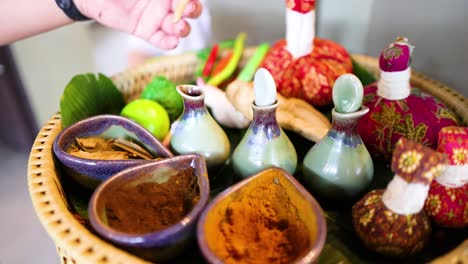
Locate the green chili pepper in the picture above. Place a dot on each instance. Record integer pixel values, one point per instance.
(227, 44)
(249, 70)
(232, 65)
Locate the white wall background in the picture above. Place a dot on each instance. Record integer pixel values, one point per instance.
(48, 61)
(346, 22)
(438, 29)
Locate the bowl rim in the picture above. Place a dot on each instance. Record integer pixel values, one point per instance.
(314, 250)
(61, 154)
(158, 238)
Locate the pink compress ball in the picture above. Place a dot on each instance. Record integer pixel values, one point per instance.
(447, 203)
(399, 110)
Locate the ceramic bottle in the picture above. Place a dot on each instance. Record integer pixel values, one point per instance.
(339, 166)
(265, 144)
(197, 132)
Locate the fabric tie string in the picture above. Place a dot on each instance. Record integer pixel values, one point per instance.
(300, 32)
(394, 85)
(404, 197)
(454, 176)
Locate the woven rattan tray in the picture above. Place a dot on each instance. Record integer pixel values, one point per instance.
(75, 243)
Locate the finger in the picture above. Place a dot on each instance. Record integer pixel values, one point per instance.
(172, 28)
(175, 4)
(178, 29)
(193, 11)
(150, 19)
(187, 30)
(191, 8)
(164, 41)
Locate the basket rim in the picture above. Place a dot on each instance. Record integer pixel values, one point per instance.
(81, 244)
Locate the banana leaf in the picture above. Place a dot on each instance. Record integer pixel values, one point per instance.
(87, 95)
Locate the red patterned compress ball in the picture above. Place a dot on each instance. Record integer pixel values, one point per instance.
(302, 6)
(302, 65)
(447, 203)
(399, 110)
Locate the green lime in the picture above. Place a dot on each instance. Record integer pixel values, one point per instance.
(148, 114)
(164, 92)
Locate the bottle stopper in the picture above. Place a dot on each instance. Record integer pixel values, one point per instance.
(348, 93)
(264, 87)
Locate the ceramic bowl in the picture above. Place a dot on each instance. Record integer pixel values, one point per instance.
(280, 197)
(89, 172)
(161, 245)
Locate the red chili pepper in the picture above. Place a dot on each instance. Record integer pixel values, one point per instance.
(210, 61)
(222, 63)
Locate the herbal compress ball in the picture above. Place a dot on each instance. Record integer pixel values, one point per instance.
(303, 66)
(399, 110)
(447, 203)
(392, 222)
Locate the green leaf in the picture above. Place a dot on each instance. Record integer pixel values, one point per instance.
(164, 92)
(363, 74)
(86, 96)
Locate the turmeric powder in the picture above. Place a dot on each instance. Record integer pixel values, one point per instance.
(261, 225)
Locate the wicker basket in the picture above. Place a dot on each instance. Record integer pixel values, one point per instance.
(75, 243)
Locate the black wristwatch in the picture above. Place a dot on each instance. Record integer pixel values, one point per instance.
(69, 8)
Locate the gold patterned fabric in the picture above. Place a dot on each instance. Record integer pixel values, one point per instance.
(417, 163)
(387, 232)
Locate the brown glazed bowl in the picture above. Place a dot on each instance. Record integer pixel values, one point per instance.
(91, 172)
(160, 245)
(301, 208)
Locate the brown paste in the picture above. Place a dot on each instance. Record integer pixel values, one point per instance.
(150, 206)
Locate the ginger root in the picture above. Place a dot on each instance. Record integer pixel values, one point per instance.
(293, 114)
(222, 109)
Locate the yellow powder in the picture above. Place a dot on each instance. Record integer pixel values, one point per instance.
(261, 226)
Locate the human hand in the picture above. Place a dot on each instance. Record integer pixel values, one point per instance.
(150, 20)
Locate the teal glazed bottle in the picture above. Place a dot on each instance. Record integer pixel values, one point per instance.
(339, 165)
(265, 144)
(197, 132)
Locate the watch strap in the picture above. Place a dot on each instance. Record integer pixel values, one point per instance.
(69, 8)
